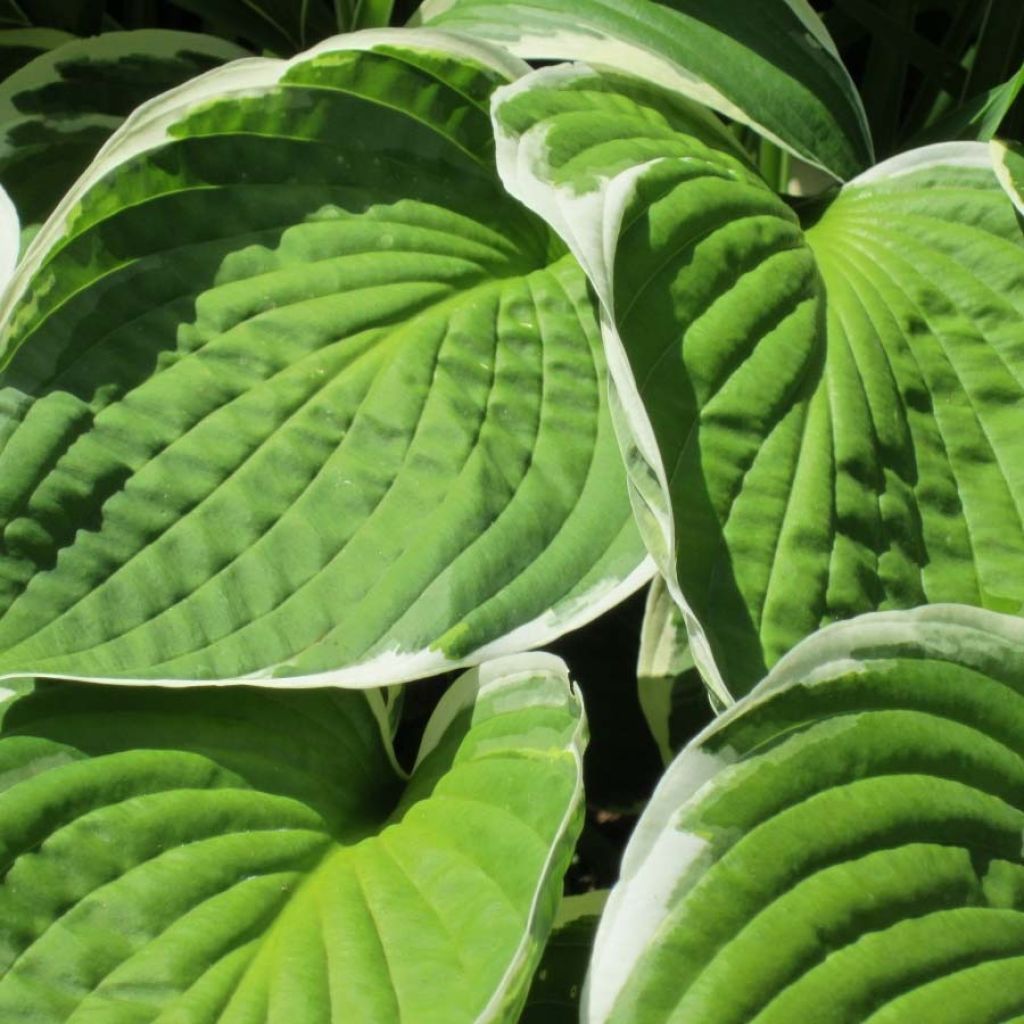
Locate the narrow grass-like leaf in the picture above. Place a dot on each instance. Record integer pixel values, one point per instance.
(293, 388)
(58, 110)
(278, 26)
(978, 119)
(842, 846)
(227, 857)
(819, 411)
(770, 65)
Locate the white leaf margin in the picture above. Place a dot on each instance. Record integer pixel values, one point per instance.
(489, 680)
(661, 859)
(44, 70)
(147, 129)
(632, 58)
(589, 223)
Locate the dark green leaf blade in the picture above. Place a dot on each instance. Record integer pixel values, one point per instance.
(294, 389)
(842, 846)
(58, 110)
(20, 45)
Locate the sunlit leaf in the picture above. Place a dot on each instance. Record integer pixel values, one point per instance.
(820, 409)
(843, 846)
(293, 388)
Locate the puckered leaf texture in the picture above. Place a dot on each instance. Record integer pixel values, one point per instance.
(842, 846)
(291, 387)
(247, 856)
(819, 409)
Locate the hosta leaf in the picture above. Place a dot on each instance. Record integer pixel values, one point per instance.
(668, 684)
(280, 26)
(19, 45)
(223, 857)
(294, 388)
(770, 64)
(10, 234)
(843, 846)
(58, 110)
(1008, 160)
(820, 413)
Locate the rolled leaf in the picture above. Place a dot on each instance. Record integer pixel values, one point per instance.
(819, 410)
(770, 65)
(215, 856)
(293, 388)
(58, 110)
(278, 26)
(842, 846)
(672, 698)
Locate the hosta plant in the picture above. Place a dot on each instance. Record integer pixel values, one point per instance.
(328, 368)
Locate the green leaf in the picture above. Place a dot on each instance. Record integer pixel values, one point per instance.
(770, 64)
(558, 984)
(19, 45)
(668, 684)
(58, 110)
(372, 14)
(1008, 161)
(12, 15)
(294, 389)
(979, 119)
(843, 846)
(250, 856)
(819, 412)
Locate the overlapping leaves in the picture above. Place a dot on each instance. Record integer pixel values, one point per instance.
(59, 108)
(232, 856)
(770, 64)
(820, 411)
(292, 387)
(842, 846)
